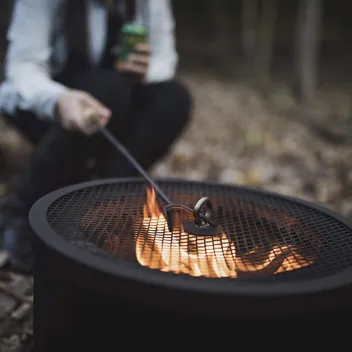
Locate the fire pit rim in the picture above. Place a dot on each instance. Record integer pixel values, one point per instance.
(137, 273)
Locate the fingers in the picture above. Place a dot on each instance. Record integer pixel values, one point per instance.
(94, 113)
(143, 48)
(94, 104)
(92, 120)
(137, 63)
(79, 111)
(141, 60)
(130, 66)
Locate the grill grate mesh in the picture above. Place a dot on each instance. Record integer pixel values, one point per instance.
(264, 234)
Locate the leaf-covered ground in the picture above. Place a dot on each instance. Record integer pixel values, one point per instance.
(242, 136)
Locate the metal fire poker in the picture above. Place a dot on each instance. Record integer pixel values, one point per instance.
(202, 223)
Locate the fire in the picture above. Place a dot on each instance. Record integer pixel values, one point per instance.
(180, 252)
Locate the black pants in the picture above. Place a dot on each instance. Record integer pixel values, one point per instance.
(146, 118)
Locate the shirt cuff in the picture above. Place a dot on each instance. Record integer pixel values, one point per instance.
(160, 71)
(47, 107)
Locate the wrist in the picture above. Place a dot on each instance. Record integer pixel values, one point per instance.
(60, 97)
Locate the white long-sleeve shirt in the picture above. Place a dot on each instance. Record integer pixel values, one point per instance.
(37, 50)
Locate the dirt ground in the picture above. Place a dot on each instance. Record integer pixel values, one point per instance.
(241, 136)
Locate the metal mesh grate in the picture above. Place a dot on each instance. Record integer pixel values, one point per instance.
(265, 236)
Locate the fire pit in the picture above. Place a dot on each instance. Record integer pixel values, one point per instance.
(106, 261)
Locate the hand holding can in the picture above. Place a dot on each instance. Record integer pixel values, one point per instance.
(131, 36)
(134, 52)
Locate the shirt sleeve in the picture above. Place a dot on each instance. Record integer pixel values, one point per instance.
(164, 58)
(27, 73)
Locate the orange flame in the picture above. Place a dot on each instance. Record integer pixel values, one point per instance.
(179, 252)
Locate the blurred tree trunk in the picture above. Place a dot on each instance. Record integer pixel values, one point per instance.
(266, 36)
(307, 48)
(5, 11)
(220, 24)
(249, 30)
(5, 15)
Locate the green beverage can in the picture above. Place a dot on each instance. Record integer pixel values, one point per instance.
(131, 35)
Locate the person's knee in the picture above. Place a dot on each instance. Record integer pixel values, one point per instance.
(182, 102)
(177, 103)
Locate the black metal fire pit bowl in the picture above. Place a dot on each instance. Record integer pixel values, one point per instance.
(107, 267)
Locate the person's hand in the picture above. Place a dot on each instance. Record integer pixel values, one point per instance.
(73, 108)
(137, 63)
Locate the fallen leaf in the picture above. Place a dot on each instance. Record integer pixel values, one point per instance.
(4, 258)
(3, 189)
